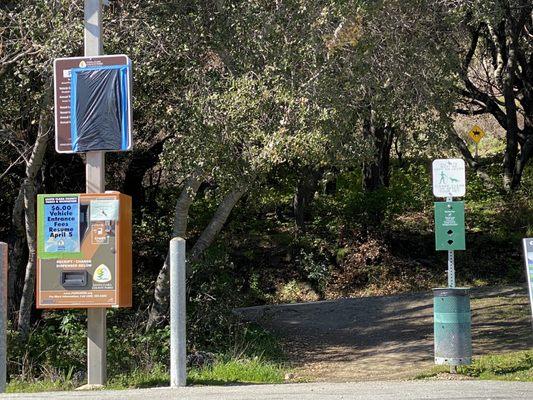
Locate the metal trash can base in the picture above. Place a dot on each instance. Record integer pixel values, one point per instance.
(453, 361)
(452, 326)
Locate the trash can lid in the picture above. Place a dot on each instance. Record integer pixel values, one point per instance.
(450, 292)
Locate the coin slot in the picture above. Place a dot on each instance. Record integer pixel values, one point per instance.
(73, 278)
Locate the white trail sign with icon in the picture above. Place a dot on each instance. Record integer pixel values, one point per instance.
(449, 177)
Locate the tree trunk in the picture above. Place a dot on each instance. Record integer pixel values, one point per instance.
(179, 229)
(512, 74)
(217, 222)
(463, 148)
(470, 160)
(526, 152)
(511, 134)
(18, 253)
(506, 66)
(26, 300)
(140, 163)
(526, 144)
(376, 171)
(305, 191)
(29, 192)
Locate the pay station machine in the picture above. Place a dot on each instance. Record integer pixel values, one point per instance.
(84, 250)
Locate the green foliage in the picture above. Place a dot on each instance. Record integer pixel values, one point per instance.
(252, 370)
(409, 191)
(410, 188)
(158, 375)
(500, 365)
(225, 370)
(507, 216)
(316, 269)
(52, 348)
(42, 385)
(58, 347)
(517, 366)
(54, 358)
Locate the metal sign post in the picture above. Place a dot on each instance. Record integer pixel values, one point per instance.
(3, 315)
(449, 181)
(450, 231)
(95, 183)
(86, 91)
(451, 260)
(452, 317)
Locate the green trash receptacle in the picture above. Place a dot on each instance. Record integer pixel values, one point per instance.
(452, 326)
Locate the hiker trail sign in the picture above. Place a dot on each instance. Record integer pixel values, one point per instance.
(449, 177)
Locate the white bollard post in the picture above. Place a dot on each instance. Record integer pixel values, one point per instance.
(178, 364)
(3, 315)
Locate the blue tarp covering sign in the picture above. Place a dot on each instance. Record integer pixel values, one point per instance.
(61, 224)
(99, 104)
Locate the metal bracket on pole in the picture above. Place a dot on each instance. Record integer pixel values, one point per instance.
(178, 364)
(95, 183)
(3, 315)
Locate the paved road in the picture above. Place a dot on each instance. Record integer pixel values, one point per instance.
(390, 390)
(387, 337)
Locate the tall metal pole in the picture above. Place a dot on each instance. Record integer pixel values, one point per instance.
(451, 275)
(178, 364)
(3, 315)
(451, 261)
(95, 183)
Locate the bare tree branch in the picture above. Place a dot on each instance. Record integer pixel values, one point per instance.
(19, 160)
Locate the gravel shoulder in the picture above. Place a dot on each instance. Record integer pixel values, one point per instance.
(387, 337)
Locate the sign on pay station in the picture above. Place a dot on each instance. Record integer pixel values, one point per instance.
(84, 250)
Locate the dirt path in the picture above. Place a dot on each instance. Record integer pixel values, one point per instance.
(387, 337)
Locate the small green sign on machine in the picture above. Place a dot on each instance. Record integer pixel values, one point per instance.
(450, 225)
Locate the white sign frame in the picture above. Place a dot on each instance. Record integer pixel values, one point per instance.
(449, 177)
(528, 245)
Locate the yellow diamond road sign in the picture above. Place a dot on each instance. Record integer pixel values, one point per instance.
(476, 133)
